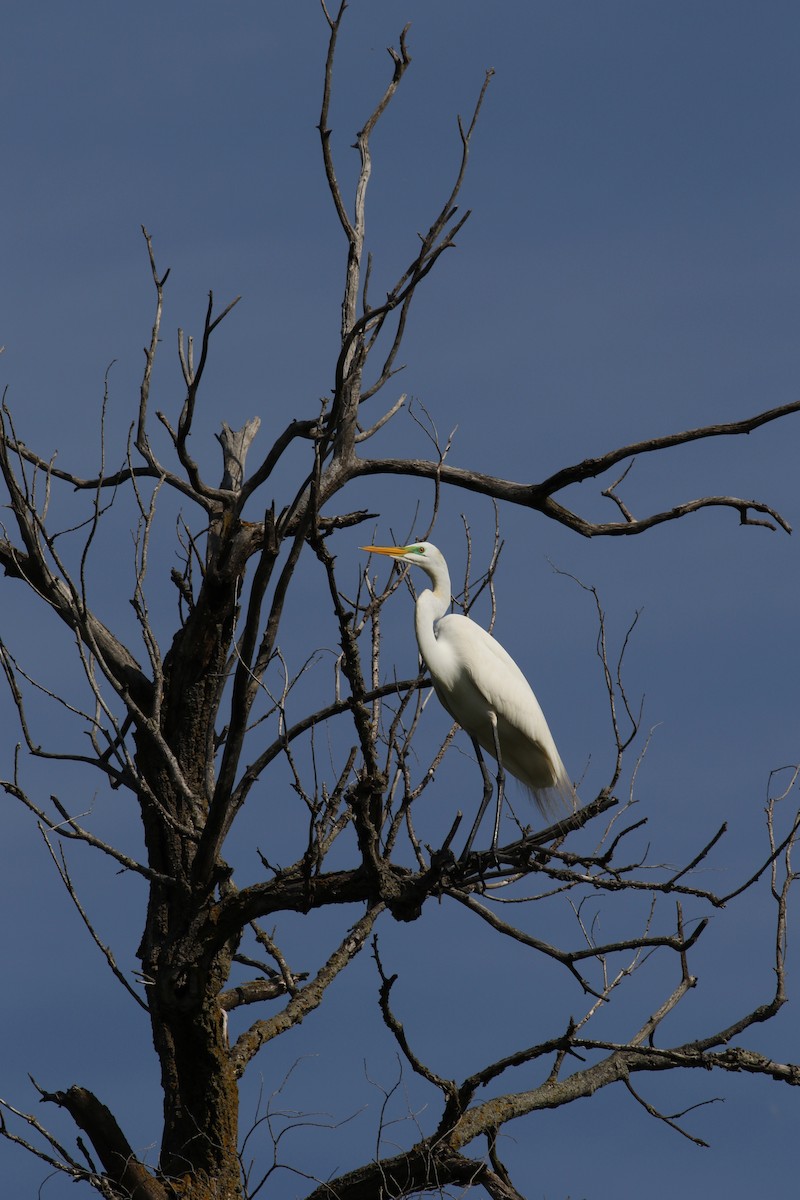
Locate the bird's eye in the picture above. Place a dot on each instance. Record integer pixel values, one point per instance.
(419, 550)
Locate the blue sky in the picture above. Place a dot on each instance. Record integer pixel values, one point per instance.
(630, 269)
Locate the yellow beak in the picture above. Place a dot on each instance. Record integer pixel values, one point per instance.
(392, 551)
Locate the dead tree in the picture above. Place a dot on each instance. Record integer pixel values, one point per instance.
(194, 726)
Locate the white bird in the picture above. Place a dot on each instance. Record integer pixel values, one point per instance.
(484, 691)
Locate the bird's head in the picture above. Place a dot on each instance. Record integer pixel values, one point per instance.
(415, 553)
(419, 554)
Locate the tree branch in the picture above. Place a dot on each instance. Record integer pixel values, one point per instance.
(305, 999)
(116, 1155)
(539, 496)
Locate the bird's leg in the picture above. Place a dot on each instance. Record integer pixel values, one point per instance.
(501, 781)
(487, 795)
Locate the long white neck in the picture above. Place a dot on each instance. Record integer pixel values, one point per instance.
(431, 605)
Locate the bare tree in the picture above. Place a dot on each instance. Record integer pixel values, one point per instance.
(193, 725)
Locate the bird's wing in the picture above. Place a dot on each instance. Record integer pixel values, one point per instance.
(485, 677)
(491, 669)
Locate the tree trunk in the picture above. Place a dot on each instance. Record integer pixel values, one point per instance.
(199, 1145)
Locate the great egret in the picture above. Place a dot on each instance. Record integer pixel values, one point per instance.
(483, 690)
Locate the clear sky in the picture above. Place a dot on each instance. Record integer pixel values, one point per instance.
(630, 269)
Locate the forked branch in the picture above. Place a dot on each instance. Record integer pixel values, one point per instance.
(539, 496)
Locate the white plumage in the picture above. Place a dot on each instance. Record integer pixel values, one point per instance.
(483, 689)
